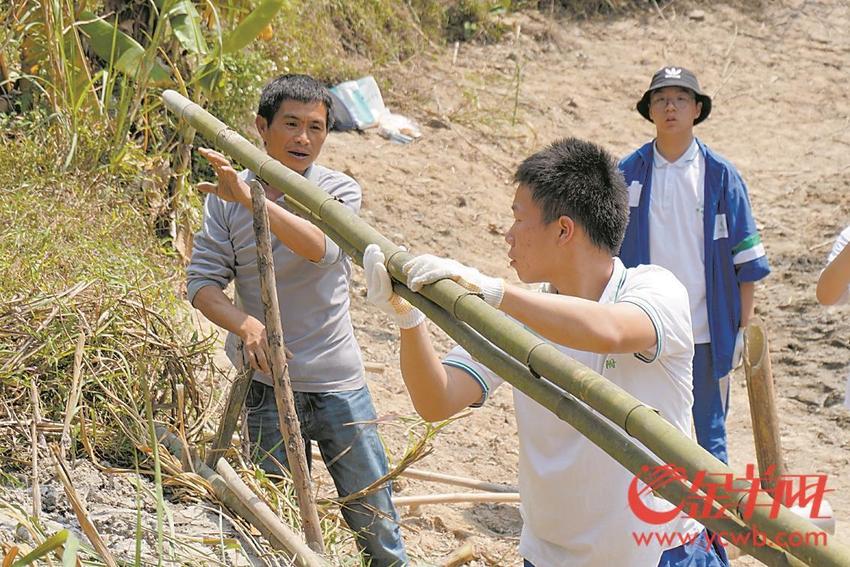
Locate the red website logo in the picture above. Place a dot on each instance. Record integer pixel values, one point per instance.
(707, 498)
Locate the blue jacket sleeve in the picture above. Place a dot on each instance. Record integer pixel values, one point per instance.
(748, 254)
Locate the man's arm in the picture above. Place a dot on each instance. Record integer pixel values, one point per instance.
(569, 321)
(299, 235)
(437, 391)
(833, 281)
(580, 323)
(217, 307)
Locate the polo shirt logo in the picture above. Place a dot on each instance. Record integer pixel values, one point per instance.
(610, 363)
(672, 73)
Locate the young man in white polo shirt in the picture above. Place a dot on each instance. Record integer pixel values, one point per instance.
(630, 325)
(689, 212)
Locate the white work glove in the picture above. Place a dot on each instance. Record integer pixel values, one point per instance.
(427, 269)
(379, 291)
(738, 353)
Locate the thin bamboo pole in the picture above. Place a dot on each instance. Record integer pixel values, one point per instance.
(80, 511)
(284, 399)
(457, 497)
(36, 418)
(457, 481)
(452, 480)
(538, 356)
(602, 433)
(73, 395)
(235, 494)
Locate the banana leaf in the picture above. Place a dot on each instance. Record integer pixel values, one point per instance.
(251, 27)
(128, 53)
(186, 23)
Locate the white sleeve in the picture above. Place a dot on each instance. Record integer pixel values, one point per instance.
(486, 378)
(665, 301)
(839, 245)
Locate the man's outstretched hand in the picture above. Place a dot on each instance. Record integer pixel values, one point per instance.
(380, 291)
(427, 269)
(229, 187)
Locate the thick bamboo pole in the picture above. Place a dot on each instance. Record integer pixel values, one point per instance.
(562, 404)
(236, 495)
(763, 406)
(296, 454)
(540, 357)
(230, 416)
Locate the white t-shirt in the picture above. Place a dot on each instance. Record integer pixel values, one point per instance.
(574, 495)
(839, 245)
(676, 234)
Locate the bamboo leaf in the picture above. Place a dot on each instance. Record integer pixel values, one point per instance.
(128, 53)
(186, 23)
(252, 26)
(50, 544)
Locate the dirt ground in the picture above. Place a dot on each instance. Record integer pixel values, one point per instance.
(781, 113)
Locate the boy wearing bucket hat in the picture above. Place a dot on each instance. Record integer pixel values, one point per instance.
(689, 212)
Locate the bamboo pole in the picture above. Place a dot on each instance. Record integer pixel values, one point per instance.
(461, 556)
(457, 480)
(296, 454)
(763, 406)
(538, 356)
(73, 395)
(230, 416)
(566, 407)
(456, 497)
(80, 511)
(36, 418)
(235, 494)
(420, 474)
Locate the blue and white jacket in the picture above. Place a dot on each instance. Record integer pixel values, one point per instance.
(733, 249)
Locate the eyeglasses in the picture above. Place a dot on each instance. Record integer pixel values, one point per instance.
(680, 101)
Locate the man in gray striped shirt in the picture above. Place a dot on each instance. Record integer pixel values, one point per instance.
(312, 276)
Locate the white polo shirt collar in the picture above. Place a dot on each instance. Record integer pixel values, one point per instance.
(684, 160)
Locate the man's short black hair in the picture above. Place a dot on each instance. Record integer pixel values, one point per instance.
(580, 180)
(302, 88)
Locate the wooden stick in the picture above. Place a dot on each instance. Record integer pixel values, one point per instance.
(454, 498)
(466, 482)
(763, 405)
(230, 416)
(289, 427)
(80, 510)
(458, 481)
(36, 417)
(71, 405)
(238, 497)
(180, 394)
(461, 556)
